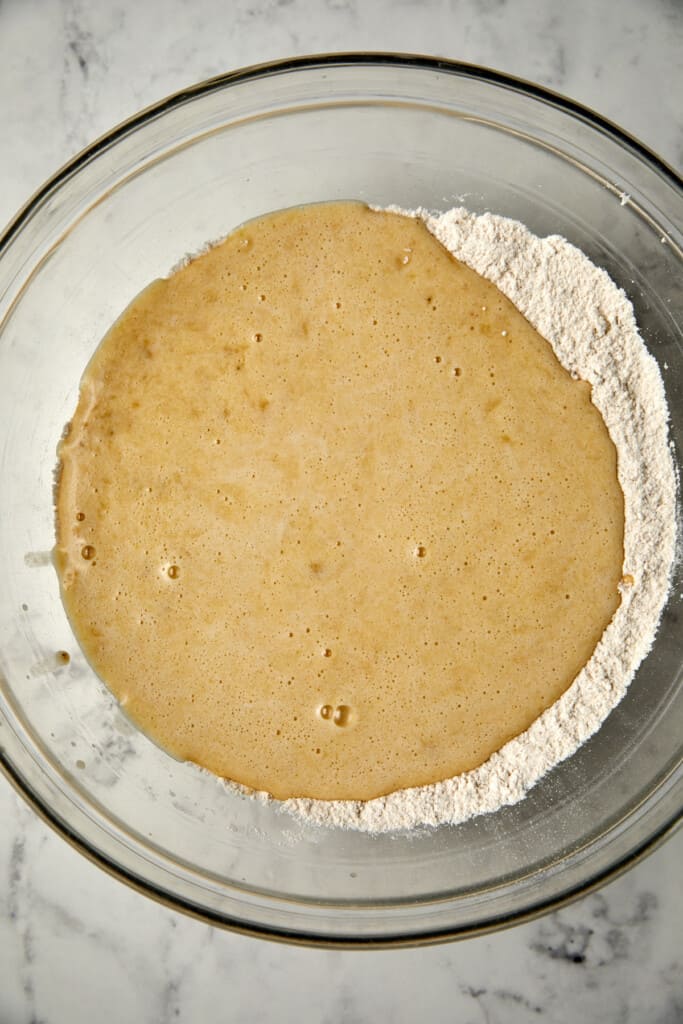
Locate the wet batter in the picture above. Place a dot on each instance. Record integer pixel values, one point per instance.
(332, 519)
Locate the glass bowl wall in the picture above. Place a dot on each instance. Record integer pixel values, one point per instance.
(388, 130)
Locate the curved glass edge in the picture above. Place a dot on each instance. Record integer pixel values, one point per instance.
(343, 59)
(88, 154)
(322, 939)
(664, 803)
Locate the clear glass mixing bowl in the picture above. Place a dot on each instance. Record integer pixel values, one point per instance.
(387, 129)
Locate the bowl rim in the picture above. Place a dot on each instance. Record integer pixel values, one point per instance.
(381, 58)
(318, 940)
(406, 61)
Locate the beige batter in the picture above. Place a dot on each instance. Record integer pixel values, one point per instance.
(332, 519)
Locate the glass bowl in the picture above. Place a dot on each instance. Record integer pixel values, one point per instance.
(386, 129)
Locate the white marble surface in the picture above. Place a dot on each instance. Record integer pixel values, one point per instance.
(76, 945)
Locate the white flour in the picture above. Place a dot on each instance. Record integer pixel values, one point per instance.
(591, 326)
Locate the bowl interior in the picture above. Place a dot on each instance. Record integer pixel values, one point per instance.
(388, 131)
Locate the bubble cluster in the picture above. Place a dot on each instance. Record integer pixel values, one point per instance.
(339, 715)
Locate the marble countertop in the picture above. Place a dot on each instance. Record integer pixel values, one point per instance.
(78, 945)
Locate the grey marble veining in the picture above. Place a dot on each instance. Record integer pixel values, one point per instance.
(79, 946)
(76, 67)
(75, 944)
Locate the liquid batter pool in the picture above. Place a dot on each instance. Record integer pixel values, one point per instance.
(332, 519)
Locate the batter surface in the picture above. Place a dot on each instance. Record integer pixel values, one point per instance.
(332, 520)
